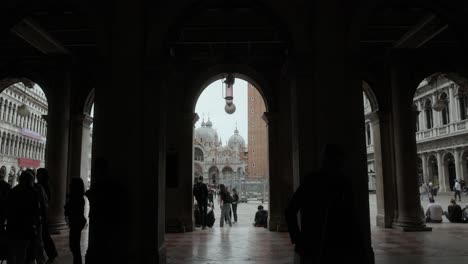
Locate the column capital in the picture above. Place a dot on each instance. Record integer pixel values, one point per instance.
(270, 117)
(84, 119)
(378, 116)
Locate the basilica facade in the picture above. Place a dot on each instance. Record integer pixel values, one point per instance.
(213, 160)
(441, 133)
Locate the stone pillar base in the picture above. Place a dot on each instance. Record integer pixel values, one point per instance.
(162, 254)
(381, 221)
(175, 228)
(411, 228)
(277, 226)
(57, 227)
(178, 226)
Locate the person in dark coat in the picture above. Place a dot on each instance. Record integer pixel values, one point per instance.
(330, 231)
(24, 219)
(74, 213)
(49, 245)
(5, 187)
(454, 213)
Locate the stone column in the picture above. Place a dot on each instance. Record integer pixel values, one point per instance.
(56, 161)
(410, 215)
(420, 116)
(381, 127)
(80, 148)
(435, 115)
(180, 200)
(440, 172)
(457, 157)
(425, 168)
(452, 105)
(280, 182)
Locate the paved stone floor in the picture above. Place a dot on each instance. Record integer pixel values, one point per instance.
(242, 243)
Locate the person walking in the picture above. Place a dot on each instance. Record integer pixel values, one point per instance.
(200, 191)
(24, 219)
(457, 189)
(322, 237)
(74, 214)
(225, 204)
(235, 201)
(49, 245)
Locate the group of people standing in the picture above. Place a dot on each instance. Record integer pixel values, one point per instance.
(24, 225)
(205, 203)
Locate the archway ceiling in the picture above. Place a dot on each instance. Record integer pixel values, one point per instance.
(234, 34)
(413, 28)
(219, 34)
(47, 33)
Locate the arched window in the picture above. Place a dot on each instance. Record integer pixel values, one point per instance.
(428, 113)
(463, 103)
(198, 154)
(446, 111)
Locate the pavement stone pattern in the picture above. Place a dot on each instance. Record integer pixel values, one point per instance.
(243, 243)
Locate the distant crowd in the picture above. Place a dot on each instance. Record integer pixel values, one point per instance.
(204, 206)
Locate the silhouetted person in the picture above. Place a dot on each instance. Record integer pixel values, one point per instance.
(36, 248)
(74, 212)
(235, 200)
(5, 187)
(434, 212)
(23, 217)
(49, 245)
(261, 217)
(454, 212)
(200, 191)
(330, 231)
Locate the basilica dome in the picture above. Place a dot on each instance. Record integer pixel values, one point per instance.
(206, 133)
(236, 140)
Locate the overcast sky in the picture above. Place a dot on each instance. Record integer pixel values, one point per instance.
(211, 104)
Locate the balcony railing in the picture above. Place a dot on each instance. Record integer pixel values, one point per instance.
(443, 131)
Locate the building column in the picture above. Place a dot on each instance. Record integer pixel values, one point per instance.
(80, 140)
(425, 168)
(383, 152)
(435, 115)
(420, 116)
(58, 119)
(440, 172)
(457, 164)
(179, 169)
(452, 105)
(281, 183)
(409, 215)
